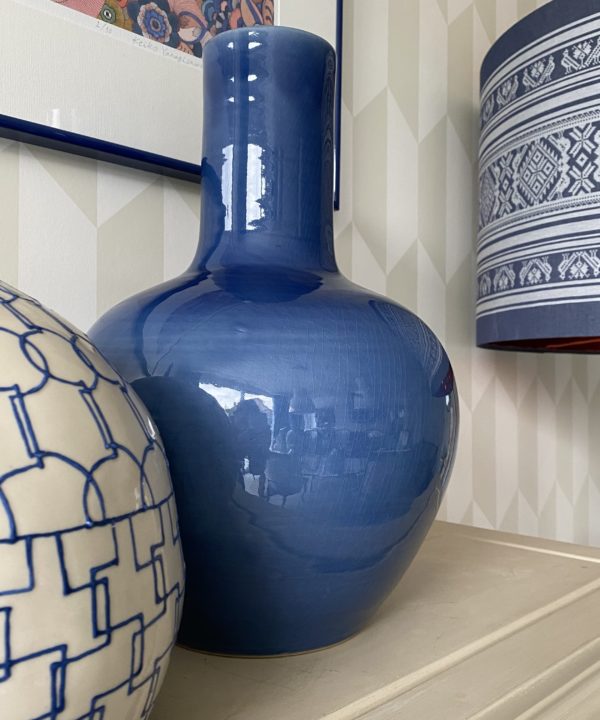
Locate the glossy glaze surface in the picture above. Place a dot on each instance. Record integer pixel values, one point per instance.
(310, 425)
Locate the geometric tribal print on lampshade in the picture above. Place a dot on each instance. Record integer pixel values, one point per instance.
(538, 246)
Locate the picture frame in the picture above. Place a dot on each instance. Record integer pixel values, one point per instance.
(79, 85)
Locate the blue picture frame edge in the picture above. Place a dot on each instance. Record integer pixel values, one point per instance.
(32, 133)
(339, 40)
(13, 128)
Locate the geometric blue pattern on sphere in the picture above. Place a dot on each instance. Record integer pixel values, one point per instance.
(538, 263)
(91, 570)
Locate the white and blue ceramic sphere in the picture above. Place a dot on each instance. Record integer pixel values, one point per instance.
(91, 572)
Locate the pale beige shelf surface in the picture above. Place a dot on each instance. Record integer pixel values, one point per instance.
(484, 626)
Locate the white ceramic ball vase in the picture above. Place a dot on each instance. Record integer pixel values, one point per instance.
(91, 570)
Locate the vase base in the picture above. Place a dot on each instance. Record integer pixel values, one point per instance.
(242, 656)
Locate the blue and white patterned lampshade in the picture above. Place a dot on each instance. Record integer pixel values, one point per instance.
(538, 250)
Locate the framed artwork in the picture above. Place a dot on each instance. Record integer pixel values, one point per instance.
(186, 25)
(121, 80)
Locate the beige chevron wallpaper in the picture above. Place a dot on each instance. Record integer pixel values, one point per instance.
(81, 235)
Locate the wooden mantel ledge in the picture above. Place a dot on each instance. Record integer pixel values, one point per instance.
(484, 626)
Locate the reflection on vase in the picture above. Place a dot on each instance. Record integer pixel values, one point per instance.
(310, 425)
(296, 524)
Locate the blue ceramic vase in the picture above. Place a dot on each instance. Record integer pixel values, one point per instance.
(310, 425)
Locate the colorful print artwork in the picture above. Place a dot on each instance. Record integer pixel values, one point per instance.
(186, 25)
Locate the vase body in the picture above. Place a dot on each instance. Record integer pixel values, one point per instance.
(310, 425)
(91, 570)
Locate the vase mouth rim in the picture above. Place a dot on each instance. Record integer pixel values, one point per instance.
(263, 31)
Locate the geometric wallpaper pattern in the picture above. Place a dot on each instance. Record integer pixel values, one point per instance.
(81, 235)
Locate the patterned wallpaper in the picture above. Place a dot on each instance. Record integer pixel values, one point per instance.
(81, 235)
(526, 454)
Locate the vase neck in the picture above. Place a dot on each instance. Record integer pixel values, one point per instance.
(267, 168)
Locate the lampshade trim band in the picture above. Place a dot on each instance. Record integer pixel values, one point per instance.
(534, 250)
(551, 19)
(546, 69)
(494, 140)
(551, 295)
(580, 318)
